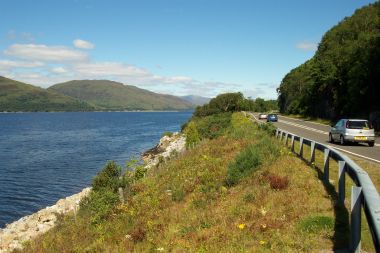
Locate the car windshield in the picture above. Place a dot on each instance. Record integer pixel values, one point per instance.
(358, 124)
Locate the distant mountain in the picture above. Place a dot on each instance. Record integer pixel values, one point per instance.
(18, 96)
(109, 95)
(196, 100)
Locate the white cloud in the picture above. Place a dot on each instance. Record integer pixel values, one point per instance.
(44, 53)
(267, 91)
(307, 46)
(180, 79)
(58, 70)
(98, 69)
(78, 43)
(48, 65)
(9, 64)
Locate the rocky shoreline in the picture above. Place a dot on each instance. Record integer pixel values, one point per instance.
(29, 227)
(168, 146)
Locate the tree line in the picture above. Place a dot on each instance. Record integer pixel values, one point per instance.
(233, 102)
(342, 79)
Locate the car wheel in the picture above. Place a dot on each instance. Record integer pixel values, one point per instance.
(371, 144)
(331, 140)
(342, 141)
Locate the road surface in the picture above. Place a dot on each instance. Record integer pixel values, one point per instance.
(320, 133)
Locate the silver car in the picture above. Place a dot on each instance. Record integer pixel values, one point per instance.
(263, 116)
(352, 130)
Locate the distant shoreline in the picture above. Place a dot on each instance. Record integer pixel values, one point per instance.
(97, 111)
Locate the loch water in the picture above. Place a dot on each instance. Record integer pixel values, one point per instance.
(47, 156)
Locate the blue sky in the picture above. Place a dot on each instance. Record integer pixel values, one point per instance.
(201, 47)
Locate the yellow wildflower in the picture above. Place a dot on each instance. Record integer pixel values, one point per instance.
(262, 242)
(263, 211)
(241, 226)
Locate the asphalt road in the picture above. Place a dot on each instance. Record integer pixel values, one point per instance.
(320, 133)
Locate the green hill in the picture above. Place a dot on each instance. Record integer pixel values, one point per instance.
(342, 78)
(18, 96)
(109, 95)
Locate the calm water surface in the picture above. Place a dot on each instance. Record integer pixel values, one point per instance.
(47, 156)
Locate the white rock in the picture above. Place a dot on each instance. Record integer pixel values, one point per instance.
(29, 227)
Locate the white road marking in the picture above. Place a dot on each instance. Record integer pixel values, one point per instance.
(304, 127)
(323, 132)
(352, 153)
(304, 121)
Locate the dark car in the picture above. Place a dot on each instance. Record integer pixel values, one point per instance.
(272, 117)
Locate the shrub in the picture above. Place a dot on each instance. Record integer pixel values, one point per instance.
(227, 102)
(245, 163)
(213, 126)
(251, 158)
(277, 182)
(140, 172)
(178, 194)
(269, 128)
(99, 205)
(249, 197)
(107, 178)
(192, 135)
(269, 148)
(138, 234)
(169, 134)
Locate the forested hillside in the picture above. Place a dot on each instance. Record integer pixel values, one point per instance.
(17, 96)
(342, 78)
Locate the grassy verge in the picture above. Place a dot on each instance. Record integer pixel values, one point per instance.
(342, 211)
(208, 199)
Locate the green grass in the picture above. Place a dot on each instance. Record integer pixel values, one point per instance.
(183, 205)
(316, 224)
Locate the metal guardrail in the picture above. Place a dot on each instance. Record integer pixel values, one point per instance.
(363, 195)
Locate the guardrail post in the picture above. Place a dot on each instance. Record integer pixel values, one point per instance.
(326, 165)
(312, 152)
(286, 139)
(342, 181)
(301, 147)
(277, 132)
(292, 144)
(356, 199)
(281, 133)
